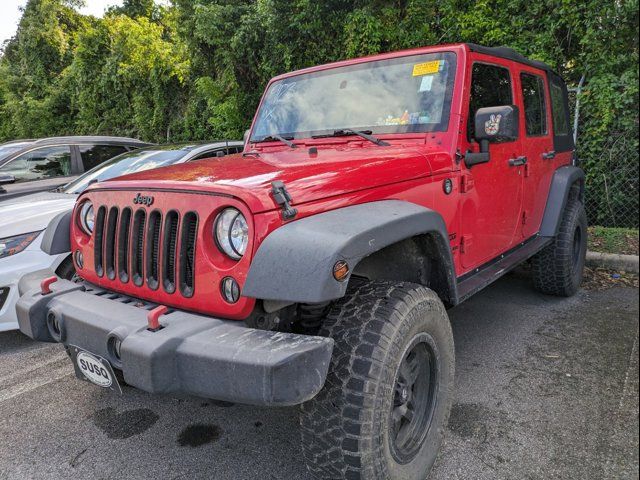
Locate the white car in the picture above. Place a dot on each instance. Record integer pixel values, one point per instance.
(23, 219)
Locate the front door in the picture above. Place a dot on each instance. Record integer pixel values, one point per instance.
(492, 193)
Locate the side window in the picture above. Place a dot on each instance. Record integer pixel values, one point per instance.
(210, 154)
(535, 109)
(559, 111)
(45, 162)
(94, 155)
(490, 87)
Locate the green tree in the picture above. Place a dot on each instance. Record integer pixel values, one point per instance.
(196, 69)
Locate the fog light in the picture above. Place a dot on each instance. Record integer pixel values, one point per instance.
(79, 259)
(113, 347)
(117, 343)
(230, 290)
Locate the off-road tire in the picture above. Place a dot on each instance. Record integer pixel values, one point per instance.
(346, 428)
(558, 269)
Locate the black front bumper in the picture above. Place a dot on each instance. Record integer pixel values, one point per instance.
(191, 354)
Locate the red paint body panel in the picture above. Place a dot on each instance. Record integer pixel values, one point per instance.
(483, 213)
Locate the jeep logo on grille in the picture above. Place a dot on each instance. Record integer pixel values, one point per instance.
(143, 200)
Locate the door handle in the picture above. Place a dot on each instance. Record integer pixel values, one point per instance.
(517, 162)
(549, 155)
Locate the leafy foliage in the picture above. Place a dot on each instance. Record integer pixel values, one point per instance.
(196, 69)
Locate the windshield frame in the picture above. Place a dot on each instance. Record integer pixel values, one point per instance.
(385, 59)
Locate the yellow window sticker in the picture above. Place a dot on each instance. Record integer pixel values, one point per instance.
(427, 68)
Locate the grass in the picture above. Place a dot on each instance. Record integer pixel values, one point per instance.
(613, 240)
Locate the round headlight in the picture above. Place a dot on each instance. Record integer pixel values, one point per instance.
(231, 232)
(87, 217)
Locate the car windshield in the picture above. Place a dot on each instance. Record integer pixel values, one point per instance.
(130, 162)
(8, 149)
(398, 95)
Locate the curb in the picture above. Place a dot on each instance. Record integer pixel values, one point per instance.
(627, 263)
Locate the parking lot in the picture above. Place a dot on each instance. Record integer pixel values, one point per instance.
(546, 388)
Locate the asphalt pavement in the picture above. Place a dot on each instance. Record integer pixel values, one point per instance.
(545, 388)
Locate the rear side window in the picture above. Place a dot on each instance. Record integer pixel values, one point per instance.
(562, 135)
(535, 109)
(490, 87)
(558, 108)
(45, 162)
(94, 155)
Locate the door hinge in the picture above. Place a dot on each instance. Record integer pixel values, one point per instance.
(282, 198)
(465, 243)
(525, 217)
(526, 170)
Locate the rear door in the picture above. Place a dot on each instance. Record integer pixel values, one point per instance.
(537, 146)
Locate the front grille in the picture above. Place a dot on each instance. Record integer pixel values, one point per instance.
(169, 245)
(153, 249)
(187, 253)
(110, 243)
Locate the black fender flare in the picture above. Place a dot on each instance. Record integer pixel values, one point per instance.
(563, 180)
(56, 238)
(295, 262)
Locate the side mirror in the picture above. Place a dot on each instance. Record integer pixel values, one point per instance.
(493, 125)
(245, 137)
(6, 178)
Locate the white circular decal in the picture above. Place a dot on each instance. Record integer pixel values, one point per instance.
(93, 369)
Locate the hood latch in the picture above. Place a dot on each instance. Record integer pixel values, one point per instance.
(282, 198)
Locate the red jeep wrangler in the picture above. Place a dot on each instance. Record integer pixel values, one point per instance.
(316, 267)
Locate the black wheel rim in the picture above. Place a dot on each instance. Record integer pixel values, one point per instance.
(577, 247)
(414, 399)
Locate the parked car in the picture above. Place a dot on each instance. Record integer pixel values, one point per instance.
(28, 166)
(316, 268)
(23, 219)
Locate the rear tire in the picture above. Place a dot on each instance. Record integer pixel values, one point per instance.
(384, 407)
(558, 269)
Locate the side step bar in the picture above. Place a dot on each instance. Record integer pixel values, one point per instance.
(475, 281)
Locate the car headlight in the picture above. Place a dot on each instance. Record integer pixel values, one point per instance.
(12, 245)
(231, 232)
(87, 217)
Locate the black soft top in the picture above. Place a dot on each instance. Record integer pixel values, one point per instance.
(510, 54)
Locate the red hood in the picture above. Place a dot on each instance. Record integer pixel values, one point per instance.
(331, 172)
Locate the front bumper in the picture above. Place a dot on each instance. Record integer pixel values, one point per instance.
(192, 354)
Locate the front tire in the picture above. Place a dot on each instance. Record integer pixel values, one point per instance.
(386, 401)
(558, 269)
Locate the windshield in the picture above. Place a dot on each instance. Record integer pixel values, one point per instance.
(406, 94)
(6, 150)
(131, 162)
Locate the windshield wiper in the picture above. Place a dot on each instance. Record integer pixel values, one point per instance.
(366, 134)
(273, 138)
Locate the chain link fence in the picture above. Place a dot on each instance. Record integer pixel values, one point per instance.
(611, 190)
(611, 194)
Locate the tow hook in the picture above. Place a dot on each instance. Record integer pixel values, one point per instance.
(45, 284)
(153, 318)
